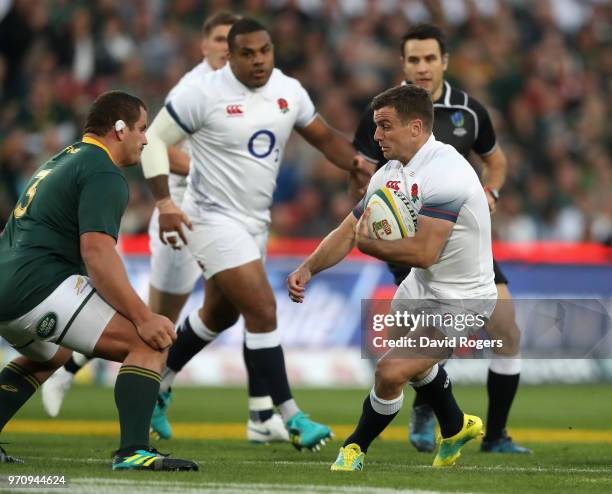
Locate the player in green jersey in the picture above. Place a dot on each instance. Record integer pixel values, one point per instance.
(62, 283)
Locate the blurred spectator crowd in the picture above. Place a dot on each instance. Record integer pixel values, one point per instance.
(543, 69)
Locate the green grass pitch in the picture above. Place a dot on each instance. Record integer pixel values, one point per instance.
(580, 461)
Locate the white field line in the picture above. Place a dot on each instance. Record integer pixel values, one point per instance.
(498, 468)
(103, 485)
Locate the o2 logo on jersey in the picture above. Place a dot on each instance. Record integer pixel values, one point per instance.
(261, 144)
(394, 184)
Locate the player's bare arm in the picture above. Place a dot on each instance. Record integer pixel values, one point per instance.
(108, 275)
(179, 161)
(420, 251)
(164, 132)
(494, 175)
(336, 148)
(332, 249)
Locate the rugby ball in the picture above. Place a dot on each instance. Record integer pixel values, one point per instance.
(392, 215)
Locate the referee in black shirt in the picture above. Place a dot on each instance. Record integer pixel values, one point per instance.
(461, 121)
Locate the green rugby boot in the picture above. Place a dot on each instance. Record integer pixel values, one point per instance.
(151, 459)
(304, 433)
(503, 444)
(159, 420)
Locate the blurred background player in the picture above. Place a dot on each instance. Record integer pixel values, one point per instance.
(453, 226)
(238, 120)
(464, 123)
(59, 232)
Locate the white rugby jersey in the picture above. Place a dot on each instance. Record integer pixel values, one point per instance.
(237, 137)
(442, 184)
(178, 183)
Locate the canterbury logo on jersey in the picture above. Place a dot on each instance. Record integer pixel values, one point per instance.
(394, 184)
(234, 110)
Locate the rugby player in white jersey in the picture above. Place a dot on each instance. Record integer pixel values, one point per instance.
(174, 272)
(452, 260)
(465, 124)
(237, 120)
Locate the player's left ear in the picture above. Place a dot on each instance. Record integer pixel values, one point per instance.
(445, 61)
(416, 129)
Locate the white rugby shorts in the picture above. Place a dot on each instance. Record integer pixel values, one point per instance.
(74, 316)
(172, 271)
(415, 297)
(219, 242)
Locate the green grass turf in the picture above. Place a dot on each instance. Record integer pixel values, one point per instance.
(558, 406)
(389, 465)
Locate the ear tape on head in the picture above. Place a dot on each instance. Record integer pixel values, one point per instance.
(120, 125)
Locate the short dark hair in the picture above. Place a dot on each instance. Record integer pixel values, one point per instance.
(424, 31)
(110, 107)
(409, 101)
(245, 25)
(223, 18)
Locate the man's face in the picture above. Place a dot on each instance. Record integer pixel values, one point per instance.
(423, 64)
(252, 58)
(396, 139)
(134, 140)
(214, 46)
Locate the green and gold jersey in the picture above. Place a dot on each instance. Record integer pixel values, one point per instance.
(77, 191)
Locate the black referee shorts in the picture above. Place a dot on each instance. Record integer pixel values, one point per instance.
(500, 277)
(400, 272)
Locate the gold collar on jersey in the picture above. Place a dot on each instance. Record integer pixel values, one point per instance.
(95, 142)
